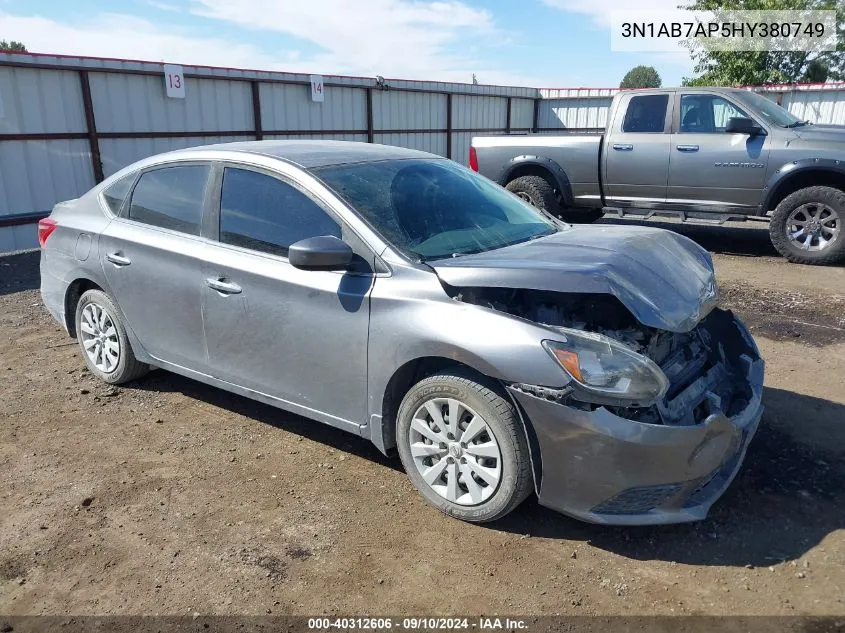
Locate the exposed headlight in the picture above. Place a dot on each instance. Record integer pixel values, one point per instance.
(605, 371)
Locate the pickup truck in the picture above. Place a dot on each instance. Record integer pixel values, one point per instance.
(696, 153)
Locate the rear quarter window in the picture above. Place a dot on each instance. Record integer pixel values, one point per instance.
(116, 193)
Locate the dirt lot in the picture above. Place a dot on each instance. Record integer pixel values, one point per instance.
(170, 497)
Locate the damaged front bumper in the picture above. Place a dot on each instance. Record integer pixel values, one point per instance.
(599, 466)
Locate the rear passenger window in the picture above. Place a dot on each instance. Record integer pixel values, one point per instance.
(646, 113)
(171, 198)
(115, 193)
(263, 213)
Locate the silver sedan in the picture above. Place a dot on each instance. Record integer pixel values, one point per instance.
(401, 297)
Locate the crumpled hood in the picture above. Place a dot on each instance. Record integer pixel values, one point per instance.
(666, 280)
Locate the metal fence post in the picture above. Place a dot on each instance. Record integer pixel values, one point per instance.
(91, 126)
(256, 110)
(449, 125)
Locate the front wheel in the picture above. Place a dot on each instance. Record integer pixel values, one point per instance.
(463, 447)
(806, 227)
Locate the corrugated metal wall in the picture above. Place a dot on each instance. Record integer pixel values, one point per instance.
(46, 147)
(58, 113)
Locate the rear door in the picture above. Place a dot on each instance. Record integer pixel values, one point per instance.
(710, 169)
(296, 335)
(152, 260)
(636, 160)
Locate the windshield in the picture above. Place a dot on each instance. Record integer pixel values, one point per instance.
(769, 110)
(434, 208)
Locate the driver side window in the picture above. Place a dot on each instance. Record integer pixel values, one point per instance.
(706, 114)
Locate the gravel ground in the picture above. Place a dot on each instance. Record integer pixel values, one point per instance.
(169, 497)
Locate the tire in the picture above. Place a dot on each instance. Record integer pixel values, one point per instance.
(536, 191)
(581, 216)
(502, 428)
(126, 367)
(829, 206)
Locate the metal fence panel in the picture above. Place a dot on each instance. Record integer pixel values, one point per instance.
(40, 102)
(818, 107)
(117, 153)
(426, 142)
(408, 110)
(574, 112)
(289, 107)
(460, 147)
(138, 103)
(479, 112)
(522, 113)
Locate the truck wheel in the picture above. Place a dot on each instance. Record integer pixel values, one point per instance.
(536, 192)
(464, 447)
(806, 227)
(581, 216)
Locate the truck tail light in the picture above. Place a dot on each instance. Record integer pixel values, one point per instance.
(473, 159)
(46, 226)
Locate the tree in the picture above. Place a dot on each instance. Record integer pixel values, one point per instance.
(817, 72)
(641, 77)
(742, 68)
(12, 47)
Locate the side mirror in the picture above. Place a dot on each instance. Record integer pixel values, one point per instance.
(743, 125)
(320, 253)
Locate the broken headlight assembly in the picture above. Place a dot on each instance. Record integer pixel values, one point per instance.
(604, 371)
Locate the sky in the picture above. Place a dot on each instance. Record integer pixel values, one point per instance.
(537, 43)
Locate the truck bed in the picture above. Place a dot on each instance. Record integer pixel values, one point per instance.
(576, 155)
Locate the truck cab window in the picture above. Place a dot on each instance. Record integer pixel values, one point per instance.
(646, 113)
(706, 114)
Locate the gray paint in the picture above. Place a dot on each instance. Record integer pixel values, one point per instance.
(326, 344)
(672, 170)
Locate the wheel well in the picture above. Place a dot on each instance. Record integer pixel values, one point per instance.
(812, 178)
(533, 170)
(74, 291)
(406, 377)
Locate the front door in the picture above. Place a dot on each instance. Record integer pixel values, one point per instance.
(637, 155)
(296, 335)
(152, 260)
(710, 168)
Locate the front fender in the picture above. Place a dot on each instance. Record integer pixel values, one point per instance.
(790, 170)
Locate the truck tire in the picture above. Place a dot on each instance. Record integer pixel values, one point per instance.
(537, 192)
(806, 227)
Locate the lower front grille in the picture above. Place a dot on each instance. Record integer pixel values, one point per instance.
(638, 500)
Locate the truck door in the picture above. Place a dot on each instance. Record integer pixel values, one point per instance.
(710, 169)
(636, 155)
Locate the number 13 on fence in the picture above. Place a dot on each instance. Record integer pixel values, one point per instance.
(174, 81)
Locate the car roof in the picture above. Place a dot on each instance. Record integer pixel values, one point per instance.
(308, 154)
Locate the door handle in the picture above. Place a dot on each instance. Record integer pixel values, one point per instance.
(117, 259)
(222, 286)
(687, 148)
(623, 147)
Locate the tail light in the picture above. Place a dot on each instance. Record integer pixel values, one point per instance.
(45, 227)
(473, 159)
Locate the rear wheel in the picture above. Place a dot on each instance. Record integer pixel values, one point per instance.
(537, 192)
(806, 227)
(463, 447)
(102, 338)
